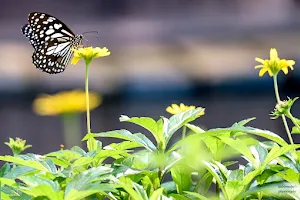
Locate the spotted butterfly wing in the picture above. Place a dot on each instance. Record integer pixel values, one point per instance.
(52, 41)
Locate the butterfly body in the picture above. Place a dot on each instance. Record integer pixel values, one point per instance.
(52, 41)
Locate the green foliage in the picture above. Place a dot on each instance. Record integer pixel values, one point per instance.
(203, 165)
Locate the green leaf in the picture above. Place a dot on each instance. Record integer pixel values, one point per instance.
(171, 161)
(13, 193)
(63, 157)
(38, 186)
(18, 171)
(290, 176)
(29, 163)
(182, 177)
(266, 134)
(92, 188)
(126, 135)
(155, 128)
(93, 145)
(277, 151)
(225, 172)
(295, 130)
(145, 122)
(250, 177)
(104, 154)
(82, 161)
(195, 129)
(67, 155)
(125, 145)
(140, 190)
(264, 176)
(234, 184)
(35, 180)
(199, 196)
(7, 181)
(243, 122)
(288, 161)
(216, 147)
(84, 183)
(156, 194)
(174, 196)
(233, 188)
(259, 152)
(127, 185)
(78, 150)
(249, 130)
(5, 196)
(277, 190)
(229, 163)
(215, 172)
(43, 191)
(237, 174)
(124, 171)
(177, 121)
(4, 169)
(240, 147)
(204, 183)
(224, 131)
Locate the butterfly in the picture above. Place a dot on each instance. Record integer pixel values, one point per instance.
(52, 41)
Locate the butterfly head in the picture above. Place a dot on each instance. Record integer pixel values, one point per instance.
(77, 41)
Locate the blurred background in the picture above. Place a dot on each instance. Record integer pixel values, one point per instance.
(197, 52)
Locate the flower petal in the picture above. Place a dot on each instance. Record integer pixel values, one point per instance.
(260, 60)
(291, 62)
(75, 60)
(258, 66)
(182, 106)
(273, 54)
(285, 70)
(175, 106)
(270, 73)
(262, 71)
(169, 109)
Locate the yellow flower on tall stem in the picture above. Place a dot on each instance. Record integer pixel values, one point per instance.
(67, 105)
(88, 54)
(273, 67)
(64, 102)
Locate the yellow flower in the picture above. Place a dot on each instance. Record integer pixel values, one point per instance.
(88, 54)
(175, 109)
(274, 65)
(64, 102)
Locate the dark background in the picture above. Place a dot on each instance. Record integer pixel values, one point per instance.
(197, 52)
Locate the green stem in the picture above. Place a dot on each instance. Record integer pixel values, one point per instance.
(183, 131)
(72, 136)
(217, 191)
(88, 119)
(291, 117)
(259, 195)
(283, 117)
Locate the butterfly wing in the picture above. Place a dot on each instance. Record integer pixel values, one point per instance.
(27, 31)
(51, 64)
(52, 41)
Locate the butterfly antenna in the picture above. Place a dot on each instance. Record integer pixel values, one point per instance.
(96, 33)
(89, 32)
(87, 41)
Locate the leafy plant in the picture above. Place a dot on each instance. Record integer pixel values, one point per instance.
(231, 163)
